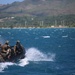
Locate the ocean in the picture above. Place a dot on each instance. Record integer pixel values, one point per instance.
(49, 51)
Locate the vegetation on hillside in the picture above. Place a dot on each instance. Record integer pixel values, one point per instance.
(38, 13)
(35, 21)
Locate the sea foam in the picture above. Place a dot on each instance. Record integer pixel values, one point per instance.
(46, 36)
(32, 54)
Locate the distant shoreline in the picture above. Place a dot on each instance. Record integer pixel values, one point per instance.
(32, 27)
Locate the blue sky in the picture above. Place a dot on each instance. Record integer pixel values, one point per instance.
(8, 1)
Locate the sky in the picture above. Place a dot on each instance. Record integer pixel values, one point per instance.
(8, 1)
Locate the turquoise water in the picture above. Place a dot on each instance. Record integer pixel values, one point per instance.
(48, 51)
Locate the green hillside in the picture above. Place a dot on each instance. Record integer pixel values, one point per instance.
(39, 7)
(43, 12)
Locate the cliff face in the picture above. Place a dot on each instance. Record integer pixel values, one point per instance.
(39, 7)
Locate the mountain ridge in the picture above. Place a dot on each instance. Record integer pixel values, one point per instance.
(38, 8)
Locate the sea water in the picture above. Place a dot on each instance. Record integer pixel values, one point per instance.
(49, 51)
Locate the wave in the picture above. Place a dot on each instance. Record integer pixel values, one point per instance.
(65, 36)
(5, 65)
(32, 54)
(46, 36)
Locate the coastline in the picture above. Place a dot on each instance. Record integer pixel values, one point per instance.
(33, 27)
